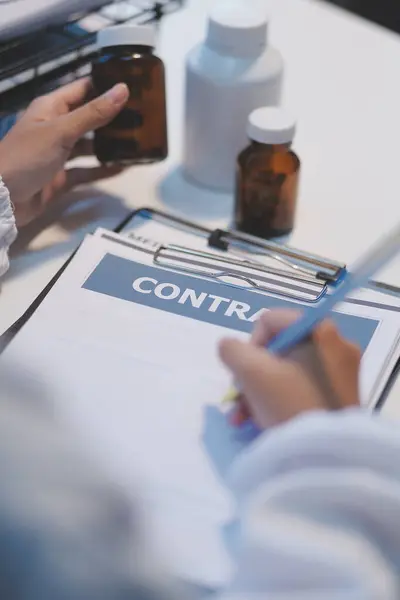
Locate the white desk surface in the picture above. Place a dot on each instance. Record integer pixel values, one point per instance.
(342, 82)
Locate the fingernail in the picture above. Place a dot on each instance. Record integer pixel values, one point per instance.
(118, 94)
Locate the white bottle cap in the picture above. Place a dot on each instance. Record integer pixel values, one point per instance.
(271, 125)
(235, 27)
(127, 35)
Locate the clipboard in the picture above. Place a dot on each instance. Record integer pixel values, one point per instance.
(324, 270)
(304, 267)
(250, 247)
(134, 338)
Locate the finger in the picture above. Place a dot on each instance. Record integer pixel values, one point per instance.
(85, 175)
(270, 385)
(94, 114)
(246, 361)
(84, 147)
(62, 100)
(341, 361)
(271, 323)
(28, 212)
(72, 95)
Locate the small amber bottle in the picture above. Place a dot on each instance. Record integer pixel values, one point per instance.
(139, 133)
(267, 175)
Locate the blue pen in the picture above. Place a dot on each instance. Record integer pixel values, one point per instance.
(359, 277)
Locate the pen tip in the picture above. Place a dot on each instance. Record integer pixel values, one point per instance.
(230, 397)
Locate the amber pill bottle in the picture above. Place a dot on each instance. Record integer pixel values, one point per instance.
(267, 175)
(139, 133)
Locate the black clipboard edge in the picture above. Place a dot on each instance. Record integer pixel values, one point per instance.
(12, 331)
(388, 387)
(153, 212)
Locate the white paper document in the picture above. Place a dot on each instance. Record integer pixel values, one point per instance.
(130, 351)
(370, 303)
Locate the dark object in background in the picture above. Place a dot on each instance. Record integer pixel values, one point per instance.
(35, 64)
(267, 176)
(139, 134)
(383, 12)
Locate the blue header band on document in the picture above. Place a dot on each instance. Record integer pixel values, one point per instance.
(203, 300)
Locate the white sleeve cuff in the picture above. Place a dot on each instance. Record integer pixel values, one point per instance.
(8, 229)
(319, 499)
(352, 438)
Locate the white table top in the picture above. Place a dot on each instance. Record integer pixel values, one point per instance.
(342, 82)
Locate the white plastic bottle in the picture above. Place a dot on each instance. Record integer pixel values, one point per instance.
(231, 73)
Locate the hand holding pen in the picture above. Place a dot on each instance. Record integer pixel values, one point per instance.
(296, 340)
(276, 389)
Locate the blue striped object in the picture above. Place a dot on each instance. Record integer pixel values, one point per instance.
(6, 123)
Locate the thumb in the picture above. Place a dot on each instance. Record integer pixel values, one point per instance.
(259, 377)
(95, 114)
(249, 364)
(271, 387)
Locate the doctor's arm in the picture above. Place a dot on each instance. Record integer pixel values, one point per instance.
(318, 493)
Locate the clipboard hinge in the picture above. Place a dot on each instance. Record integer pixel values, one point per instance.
(216, 240)
(254, 249)
(294, 259)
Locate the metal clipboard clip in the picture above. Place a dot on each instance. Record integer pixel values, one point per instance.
(253, 249)
(296, 260)
(243, 274)
(240, 273)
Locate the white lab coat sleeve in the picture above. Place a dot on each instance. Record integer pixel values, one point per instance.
(66, 531)
(319, 511)
(8, 230)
